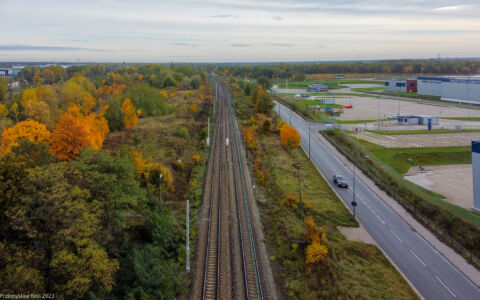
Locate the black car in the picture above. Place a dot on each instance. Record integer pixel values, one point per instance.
(340, 181)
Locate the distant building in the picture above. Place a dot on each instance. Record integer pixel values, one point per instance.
(317, 88)
(13, 85)
(457, 88)
(3, 72)
(339, 76)
(476, 174)
(416, 120)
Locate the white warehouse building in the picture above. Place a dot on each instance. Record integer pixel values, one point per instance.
(456, 88)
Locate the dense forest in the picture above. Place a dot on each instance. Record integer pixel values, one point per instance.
(297, 72)
(80, 215)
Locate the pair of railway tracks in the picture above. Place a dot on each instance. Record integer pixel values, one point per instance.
(228, 262)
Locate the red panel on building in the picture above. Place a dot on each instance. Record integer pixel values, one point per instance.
(412, 86)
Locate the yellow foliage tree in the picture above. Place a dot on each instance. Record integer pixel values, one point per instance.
(316, 252)
(131, 118)
(290, 137)
(30, 130)
(196, 158)
(3, 111)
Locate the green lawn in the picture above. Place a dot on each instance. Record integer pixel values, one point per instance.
(332, 85)
(420, 131)
(369, 89)
(398, 157)
(463, 118)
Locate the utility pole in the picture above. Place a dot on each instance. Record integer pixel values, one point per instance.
(354, 203)
(160, 187)
(290, 117)
(308, 139)
(187, 238)
(378, 117)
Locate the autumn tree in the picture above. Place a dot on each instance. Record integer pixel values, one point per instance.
(290, 137)
(193, 108)
(69, 137)
(317, 238)
(34, 109)
(30, 130)
(130, 119)
(75, 131)
(315, 253)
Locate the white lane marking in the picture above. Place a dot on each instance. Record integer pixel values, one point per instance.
(398, 238)
(445, 286)
(421, 261)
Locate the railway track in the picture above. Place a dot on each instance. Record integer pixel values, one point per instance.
(226, 265)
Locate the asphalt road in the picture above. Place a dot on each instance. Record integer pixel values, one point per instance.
(433, 275)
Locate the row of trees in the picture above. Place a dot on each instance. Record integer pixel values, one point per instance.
(298, 71)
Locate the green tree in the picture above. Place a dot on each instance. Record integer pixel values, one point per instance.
(3, 89)
(264, 82)
(149, 100)
(115, 115)
(264, 102)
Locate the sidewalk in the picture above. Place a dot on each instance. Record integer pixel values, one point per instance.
(455, 259)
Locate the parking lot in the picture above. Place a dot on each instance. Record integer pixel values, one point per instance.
(420, 140)
(455, 182)
(369, 108)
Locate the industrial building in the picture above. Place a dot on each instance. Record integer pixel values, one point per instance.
(416, 120)
(401, 85)
(476, 174)
(456, 88)
(317, 88)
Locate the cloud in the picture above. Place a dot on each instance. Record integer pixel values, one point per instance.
(241, 45)
(451, 8)
(281, 45)
(223, 16)
(277, 18)
(185, 44)
(44, 48)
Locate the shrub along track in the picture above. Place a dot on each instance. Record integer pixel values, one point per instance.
(226, 265)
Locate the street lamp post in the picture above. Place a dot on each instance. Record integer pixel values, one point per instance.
(354, 203)
(308, 139)
(187, 237)
(160, 187)
(298, 166)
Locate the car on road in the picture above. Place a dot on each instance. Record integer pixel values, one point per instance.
(340, 181)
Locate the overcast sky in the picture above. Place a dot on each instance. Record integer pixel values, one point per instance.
(236, 30)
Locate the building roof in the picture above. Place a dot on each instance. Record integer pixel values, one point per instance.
(414, 116)
(456, 79)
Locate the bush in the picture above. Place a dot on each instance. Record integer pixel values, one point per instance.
(182, 132)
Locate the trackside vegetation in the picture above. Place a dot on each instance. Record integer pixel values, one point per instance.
(310, 258)
(96, 163)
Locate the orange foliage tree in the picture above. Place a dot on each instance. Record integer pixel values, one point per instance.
(317, 237)
(193, 108)
(290, 137)
(75, 131)
(30, 130)
(131, 118)
(196, 158)
(249, 137)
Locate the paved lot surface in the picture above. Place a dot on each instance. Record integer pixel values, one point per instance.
(358, 234)
(455, 182)
(367, 108)
(420, 140)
